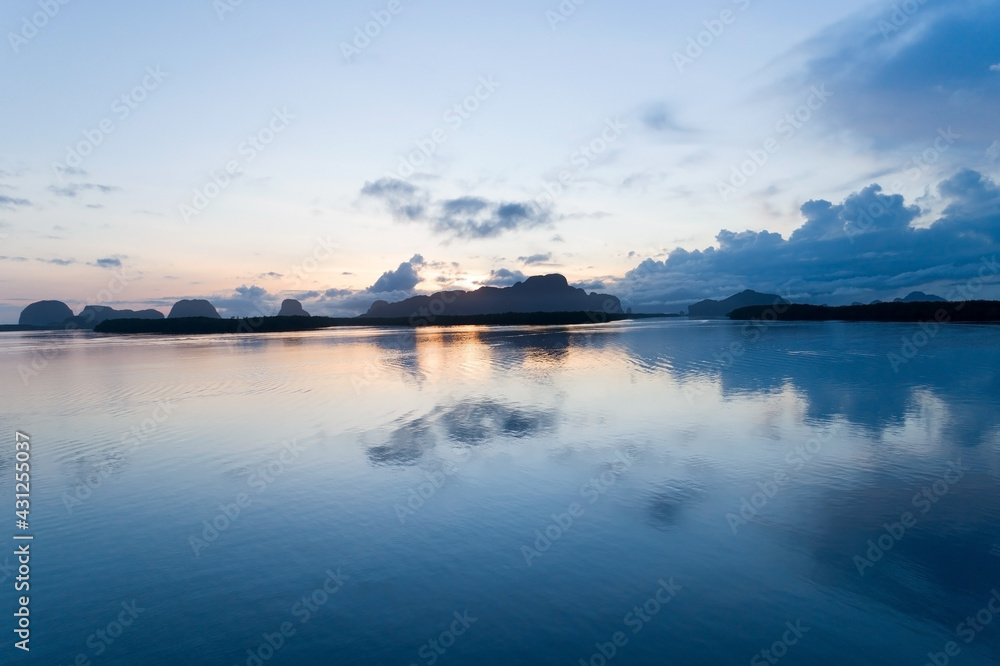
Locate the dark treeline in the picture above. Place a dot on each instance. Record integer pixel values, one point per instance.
(203, 325)
(963, 311)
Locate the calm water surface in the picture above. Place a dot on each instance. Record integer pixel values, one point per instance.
(508, 496)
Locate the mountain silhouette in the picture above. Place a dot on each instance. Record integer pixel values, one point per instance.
(197, 307)
(711, 308)
(92, 315)
(919, 297)
(45, 313)
(540, 293)
(292, 308)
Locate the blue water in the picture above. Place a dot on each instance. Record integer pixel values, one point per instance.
(394, 490)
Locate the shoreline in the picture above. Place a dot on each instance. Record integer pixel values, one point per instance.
(205, 325)
(940, 312)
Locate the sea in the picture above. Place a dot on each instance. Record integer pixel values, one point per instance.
(659, 491)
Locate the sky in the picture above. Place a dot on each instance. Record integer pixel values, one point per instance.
(340, 153)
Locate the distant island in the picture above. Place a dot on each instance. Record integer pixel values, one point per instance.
(540, 293)
(898, 311)
(541, 300)
(709, 308)
(538, 300)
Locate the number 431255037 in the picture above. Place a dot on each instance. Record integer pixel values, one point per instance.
(22, 469)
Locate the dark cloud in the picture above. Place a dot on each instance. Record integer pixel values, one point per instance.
(898, 77)
(57, 262)
(862, 248)
(503, 278)
(109, 262)
(478, 218)
(536, 259)
(463, 217)
(404, 278)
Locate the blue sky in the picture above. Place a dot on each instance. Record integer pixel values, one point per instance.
(665, 152)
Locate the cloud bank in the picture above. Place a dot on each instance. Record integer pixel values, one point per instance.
(863, 248)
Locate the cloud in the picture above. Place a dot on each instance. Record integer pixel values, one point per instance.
(466, 217)
(247, 301)
(57, 262)
(659, 118)
(898, 77)
(503, 278)
(404, 278)
(862, 248)
(73, 189)
(536, 259)
(71, 171)
(471, 217)
(11, 202)
(591, 285)
(995, 68)
(404, 201)
(109, 262)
